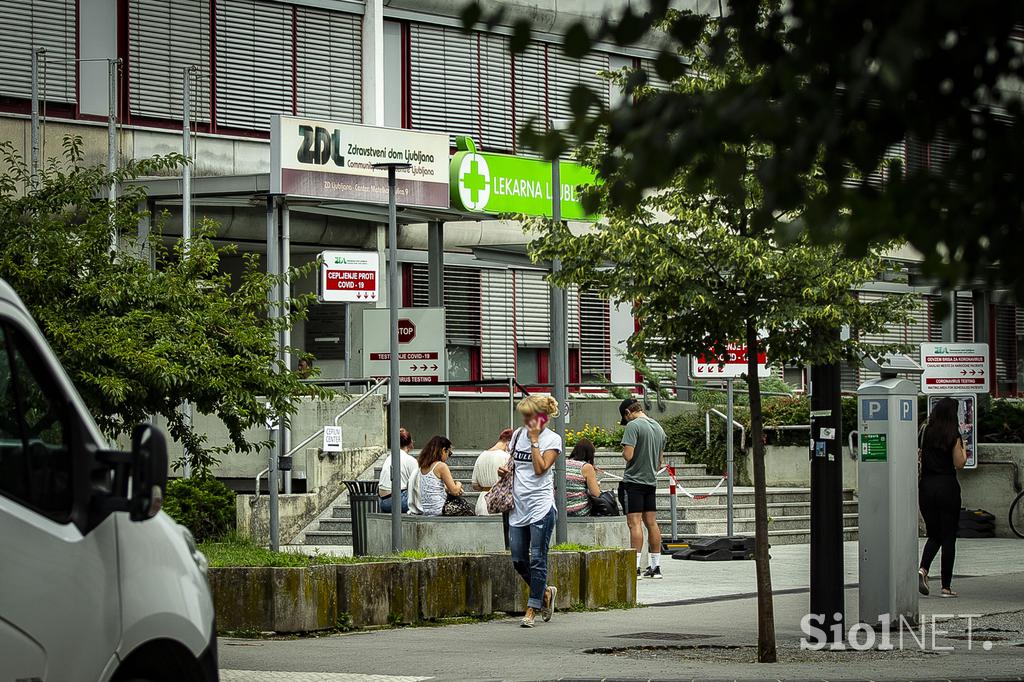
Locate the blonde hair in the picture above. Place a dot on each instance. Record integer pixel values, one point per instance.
(538, 404)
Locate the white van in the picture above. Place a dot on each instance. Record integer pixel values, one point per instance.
(95, 582)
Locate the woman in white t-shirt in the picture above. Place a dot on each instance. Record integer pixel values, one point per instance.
(534, 450)
(485, 470)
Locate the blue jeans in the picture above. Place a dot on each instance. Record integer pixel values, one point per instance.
(385, 503)
(529, 545)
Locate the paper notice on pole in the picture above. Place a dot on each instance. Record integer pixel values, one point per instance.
(332, 439)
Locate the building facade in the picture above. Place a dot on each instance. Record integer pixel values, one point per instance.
(404, 63)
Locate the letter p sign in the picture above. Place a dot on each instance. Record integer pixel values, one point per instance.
(874, 409)
(906, 410)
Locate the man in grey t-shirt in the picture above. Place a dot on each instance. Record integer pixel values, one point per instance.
(643, 448)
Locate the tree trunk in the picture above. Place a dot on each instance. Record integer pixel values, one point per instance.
(766, 652)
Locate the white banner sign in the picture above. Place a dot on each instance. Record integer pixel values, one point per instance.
(334, 160)
(332, 439)
(733, 366)
(421, 348)
(349, 277)
(955, 368)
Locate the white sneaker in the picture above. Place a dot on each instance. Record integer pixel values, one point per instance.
(548, 610)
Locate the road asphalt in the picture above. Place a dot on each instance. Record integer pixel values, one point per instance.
(699, 622)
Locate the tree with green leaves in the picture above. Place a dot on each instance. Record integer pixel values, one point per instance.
(136, 340)
(840, 86)
(703, 272)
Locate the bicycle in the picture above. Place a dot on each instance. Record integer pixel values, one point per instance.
(1019, 532)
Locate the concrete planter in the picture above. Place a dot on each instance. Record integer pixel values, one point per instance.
(274, 599)
(401, 592)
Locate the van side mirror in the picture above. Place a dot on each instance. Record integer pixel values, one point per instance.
(144, 468)
(149, 472)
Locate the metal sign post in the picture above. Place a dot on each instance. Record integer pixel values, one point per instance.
(559, 363)
(393, 407)
(729, 459)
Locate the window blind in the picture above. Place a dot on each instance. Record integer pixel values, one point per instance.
(164, 39)
(26, 25)
(329, 64)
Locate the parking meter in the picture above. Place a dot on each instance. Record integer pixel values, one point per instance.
(887, 500)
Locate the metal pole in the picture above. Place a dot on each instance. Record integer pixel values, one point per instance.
(394, 413)
(112, 66)
(286, 333)
(348, 341)
(275, 434)
(511, 401)
(186, 170)
(729, 456)
(34, 177)
(559, 361)
(826, 455)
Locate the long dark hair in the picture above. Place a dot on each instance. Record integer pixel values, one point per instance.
(433, 450)
(583, 452)
(943, 427)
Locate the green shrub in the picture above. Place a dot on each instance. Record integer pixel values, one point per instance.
(686, 433)
(202, 504)
(600, 437)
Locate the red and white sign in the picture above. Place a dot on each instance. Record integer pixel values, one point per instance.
(349, 277)
(733, 366)
(955, 368)
(421, 348)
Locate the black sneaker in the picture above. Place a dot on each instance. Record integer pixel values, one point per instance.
(639, 575)
(652, 572)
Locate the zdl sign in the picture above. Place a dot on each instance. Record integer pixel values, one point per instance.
(877, 409)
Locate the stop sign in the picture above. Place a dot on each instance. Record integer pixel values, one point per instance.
(406, 330)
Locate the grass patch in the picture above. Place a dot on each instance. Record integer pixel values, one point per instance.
(574, 547)
(233, 550)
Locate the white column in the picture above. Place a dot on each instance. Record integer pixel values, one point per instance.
(373, 63)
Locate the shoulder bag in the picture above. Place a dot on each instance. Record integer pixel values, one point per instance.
(499, 497)
(457, 506)
(603, 504)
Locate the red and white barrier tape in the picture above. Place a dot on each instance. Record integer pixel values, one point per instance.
(673, 484)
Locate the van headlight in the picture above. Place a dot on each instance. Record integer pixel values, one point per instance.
(201, 561)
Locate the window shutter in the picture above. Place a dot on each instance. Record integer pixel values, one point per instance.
(254, 62)
(164, 39)
(497, 128)
(1006, 343)
(566, 73)
(653, 79)
(498, 343)
(443, 76)
(329, 44)
(530, 99)
(572, 317)
(533, 310)
(27, 24)
(461, 301)
(964, 319)
(595, 332)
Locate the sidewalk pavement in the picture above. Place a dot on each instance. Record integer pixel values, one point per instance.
(705, 607)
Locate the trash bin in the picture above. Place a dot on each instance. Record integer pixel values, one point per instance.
(363, 498)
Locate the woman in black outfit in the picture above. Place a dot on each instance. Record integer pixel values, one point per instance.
(942, 453)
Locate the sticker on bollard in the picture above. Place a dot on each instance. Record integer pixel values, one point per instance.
(874, 447)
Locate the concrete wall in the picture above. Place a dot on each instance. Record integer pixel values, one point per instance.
(790, 466)
(328, 473)
(994, 483)
(476, 422)
(470, 534)
(363, 427)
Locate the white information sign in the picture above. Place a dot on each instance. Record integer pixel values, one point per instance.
(733, 366)
(332, 439)
(334, 160)
(422, 358)
(955, 368)
(349, 277)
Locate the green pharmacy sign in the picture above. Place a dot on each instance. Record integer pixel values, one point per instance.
(502, 183)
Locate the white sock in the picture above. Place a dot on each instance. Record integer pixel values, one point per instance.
(639, 560)
(655, 559)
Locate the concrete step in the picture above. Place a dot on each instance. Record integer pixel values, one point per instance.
(696, 513)
(344, 525)
(329, 537)
(745, 525)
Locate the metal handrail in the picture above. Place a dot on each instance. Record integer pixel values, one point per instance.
(337, 418)
(707, 428)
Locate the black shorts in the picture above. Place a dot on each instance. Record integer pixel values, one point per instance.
(637, 497)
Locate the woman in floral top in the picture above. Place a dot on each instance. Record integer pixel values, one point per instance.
(580, 478)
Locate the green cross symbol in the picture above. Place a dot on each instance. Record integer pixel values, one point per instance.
(474, 181)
